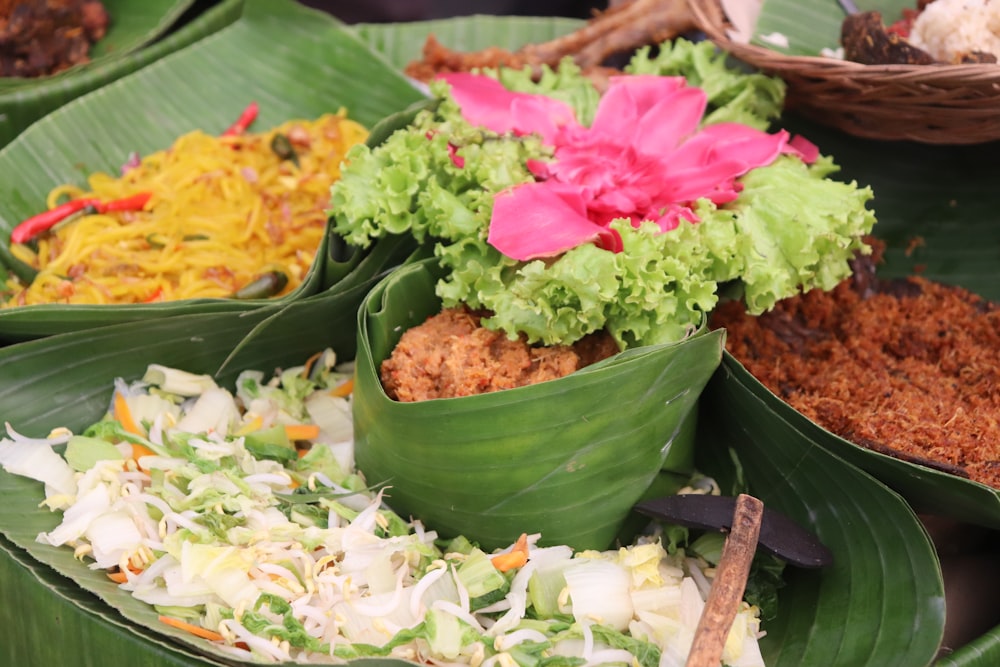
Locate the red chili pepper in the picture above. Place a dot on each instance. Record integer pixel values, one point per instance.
(246, 118)
(155, 296)
(133, 203)
(45, 221)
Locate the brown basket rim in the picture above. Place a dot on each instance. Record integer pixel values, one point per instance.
(710, 18)
(939, 104)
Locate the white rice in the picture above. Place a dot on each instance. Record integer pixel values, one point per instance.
(946, 29)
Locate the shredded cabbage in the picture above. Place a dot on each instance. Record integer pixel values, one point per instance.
(294, 559)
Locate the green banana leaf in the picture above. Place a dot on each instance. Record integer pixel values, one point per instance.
(813, 25)
(943, 197)
(566, 458)
(73, 616)
(144, 32)
(882, 602)
(275, 43)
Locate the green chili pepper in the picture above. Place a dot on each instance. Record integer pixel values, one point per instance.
(24, 272)
(282, 147)
(156, 240)
(266, 285)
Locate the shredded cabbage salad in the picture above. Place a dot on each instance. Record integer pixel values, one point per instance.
(240, 518)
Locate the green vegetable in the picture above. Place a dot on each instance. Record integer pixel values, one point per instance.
(447, 634)
(271, 443)
(266, 285)
(83, 452)
(484, 582)
(282, 147)
(734, 95)
(791, 229)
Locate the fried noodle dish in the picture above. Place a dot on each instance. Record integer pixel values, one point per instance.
(216, 216)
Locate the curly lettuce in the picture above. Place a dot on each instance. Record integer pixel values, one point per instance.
(792, 228)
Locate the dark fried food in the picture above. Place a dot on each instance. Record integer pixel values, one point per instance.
(866, 40)
(42, 37)
(451, 355)
(622, 28)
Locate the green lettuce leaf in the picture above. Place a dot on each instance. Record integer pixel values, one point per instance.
(791, 229)
(802, 229)
(734, 96)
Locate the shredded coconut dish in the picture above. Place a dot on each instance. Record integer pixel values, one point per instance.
(240, 517)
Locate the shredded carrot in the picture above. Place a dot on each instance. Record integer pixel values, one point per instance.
(344, 389)
(117, 577)
(124, 415)
(309, 364)
(301, 431)
(196, 630)
(138, 451)
(515, 558)
(141, 450)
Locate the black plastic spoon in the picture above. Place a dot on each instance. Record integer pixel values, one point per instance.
(779, 534)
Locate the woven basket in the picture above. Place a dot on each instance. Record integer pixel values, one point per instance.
(934, 104)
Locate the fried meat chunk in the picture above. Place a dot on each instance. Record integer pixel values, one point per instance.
(452, 355)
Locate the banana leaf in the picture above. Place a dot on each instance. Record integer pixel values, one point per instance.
(912, 176)
(813, 25)
(78, 618)
(882, 602)
(274, 43)
(567, 458)
(23, 101)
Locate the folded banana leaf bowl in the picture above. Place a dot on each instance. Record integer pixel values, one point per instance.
(138, 33)
(147, 111)
(566, 458)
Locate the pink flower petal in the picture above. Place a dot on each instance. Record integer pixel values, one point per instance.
(670, 121)
(671, 218)
(484, 101)
(540, 220)
(686, 185)
(802, 148)
(645, 157)
(629, 98)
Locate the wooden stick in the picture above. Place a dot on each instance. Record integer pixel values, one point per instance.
(727, 588)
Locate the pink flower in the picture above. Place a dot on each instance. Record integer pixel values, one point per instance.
(643, 158)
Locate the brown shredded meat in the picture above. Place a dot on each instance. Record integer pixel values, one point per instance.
(910, 367)
(42, 37)
(451, 355)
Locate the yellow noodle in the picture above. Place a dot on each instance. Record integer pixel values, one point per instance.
(224, 209)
